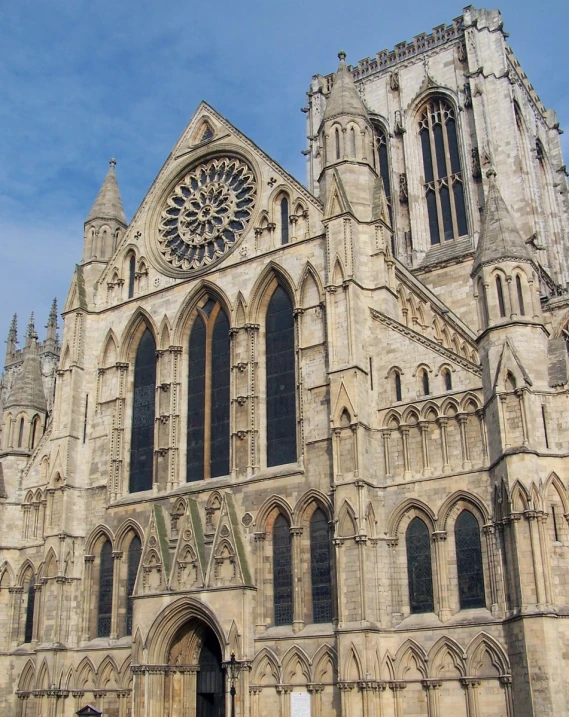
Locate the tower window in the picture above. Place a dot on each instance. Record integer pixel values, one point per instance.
(419, 567)
(282, 571)
(284, 220)
(281, 382)
(352, 142)
(520, 295)
(143, 414)
(29, 625)
(425, 382)
(131, 277)
(20, 432)
(447, 378)
(105, 591)
(208, 394)
(337, 137)
(444, 191)
(320, 568)
(397, 382)
(469, 562)
(500, 293)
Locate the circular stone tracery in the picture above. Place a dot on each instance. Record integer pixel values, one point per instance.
(206, 213)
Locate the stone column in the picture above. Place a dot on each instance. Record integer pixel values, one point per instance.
(531, 516)
(490, 540)
(386, 435)
(254, 693)
(261, 621)
(117, 561)
(545, 556)
(345, 699)
(405, 439)
(442, 422)
(16, 592)
(424, 428)
(338, 543)
(483, 439)
(470, 685)
(462, 421)
(297, 584)
(520, 392)
(506, 682)
(396, 688)
(441, 574)
(87, 584)
(431, 687)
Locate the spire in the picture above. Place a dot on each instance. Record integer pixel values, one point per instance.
(31, 331)
(51, 338)
(108, 204)
(12, 339)
(27, 389)
(344, 98)
(499, 237)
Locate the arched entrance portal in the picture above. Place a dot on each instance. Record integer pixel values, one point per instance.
(196, 678)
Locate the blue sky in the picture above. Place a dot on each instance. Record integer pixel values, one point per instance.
(82, 81)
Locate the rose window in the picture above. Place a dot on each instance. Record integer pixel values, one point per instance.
(206, 213)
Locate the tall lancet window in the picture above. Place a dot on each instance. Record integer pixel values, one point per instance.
(30, 606)
(143, 414)
(419, 568)
(337, 141)
(282, 571)
(383, 164)
(208, 394)
(444, 191)
(105, 606)
(469, 562)
(131, 275)
(320, 567)
(281, 382)
(284, 220)
(134, 553)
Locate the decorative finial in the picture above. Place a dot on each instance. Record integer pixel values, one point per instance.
(491, 173)
(342, 56)
(14, 325)
(112, 162)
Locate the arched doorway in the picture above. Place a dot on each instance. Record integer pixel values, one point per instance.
(195, 683)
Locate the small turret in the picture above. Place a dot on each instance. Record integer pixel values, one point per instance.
(106, 221)
(31, 331)
(346, 138)
(51, 338)
(12, 340)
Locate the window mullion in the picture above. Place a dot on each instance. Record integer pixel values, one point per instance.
(435, 175)
(450, 180)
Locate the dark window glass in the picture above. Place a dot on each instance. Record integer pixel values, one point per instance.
(281, 389)
(35, 427)
(337, 134)
(143, 413)
(320, 568)
(443, 175)
(469, 562)
(352, 142)
(520, 295)
(426, 388)
(131, 272)
(134, 553)
(208, 394)
(20, 432)
(284, 220)
(433, 217)
(419, 568)
(29, 626)
(282, 571)
(196, 402)
(105, 591)
(220, 378)
(398, 386)
(210, 684)
(448, 381)
(500, 292)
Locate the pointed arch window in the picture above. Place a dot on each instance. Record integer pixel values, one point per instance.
(447, 378)
(500, 293)
(425, 382)
(520, 295)
(281, 381)
(20, 432)
(352, 142)
(337, 140)
(419, 567)
(143, 415)
(383, 164)
(397, 379)
(282, 571)
(208, 394)
(34, 433)
(469, 562)
(133, 561)
(30, 606)
(443, 178)
(284, 221)
(320, 567)
(131, 275)
(105, 603)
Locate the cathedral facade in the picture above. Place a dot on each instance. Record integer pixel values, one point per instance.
(305, 450)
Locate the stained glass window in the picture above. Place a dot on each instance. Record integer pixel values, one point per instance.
(208, 394)
(419, 568)
(320, 567)
(143, 413)
(425, 381)
(281, 388)
(105, 591)
(284, 220)
(134, 553)
(469, 562)
(131, 277)
(29, 626)
(397, 386)
(443, 186)
(282, 571)
(448, 380)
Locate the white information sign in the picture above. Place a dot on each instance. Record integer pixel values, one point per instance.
(300, 704)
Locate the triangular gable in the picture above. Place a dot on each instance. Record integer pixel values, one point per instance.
(155, 556)
(338, 202)
(510, 362)
(343, 401)
(228, 563)
(188, 566)
(379, 209)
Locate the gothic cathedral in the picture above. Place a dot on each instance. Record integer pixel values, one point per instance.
(305, 451)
